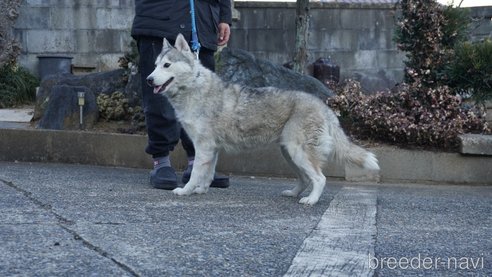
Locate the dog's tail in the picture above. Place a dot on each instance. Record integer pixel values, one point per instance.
(347, 152)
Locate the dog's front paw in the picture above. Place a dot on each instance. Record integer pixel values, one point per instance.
(289, 193)
(308, 201)
(200, 190)
(181, 191)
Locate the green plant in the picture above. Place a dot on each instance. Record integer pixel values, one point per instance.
(130, 57)
(428, 32)
(456, 26)
(470, 70)
(17, 86)
(424, 111)
(115, 107)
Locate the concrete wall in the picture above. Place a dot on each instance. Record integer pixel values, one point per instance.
(482, 23)
(38, 145)
(357, 37)
(94, 32)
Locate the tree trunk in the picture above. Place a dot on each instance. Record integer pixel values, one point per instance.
(9, 46)
(302, 26)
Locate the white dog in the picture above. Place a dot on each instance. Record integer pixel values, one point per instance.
(219, 115)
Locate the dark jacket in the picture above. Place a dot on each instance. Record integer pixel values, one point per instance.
(168, 18)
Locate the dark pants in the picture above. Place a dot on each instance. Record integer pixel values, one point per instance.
(164, 131)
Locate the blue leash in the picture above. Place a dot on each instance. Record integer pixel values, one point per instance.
(195, 44)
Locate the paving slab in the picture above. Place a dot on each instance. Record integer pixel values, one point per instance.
(16, 115)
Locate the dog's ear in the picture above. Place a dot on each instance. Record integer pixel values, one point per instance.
(181, 44)
(166, 45)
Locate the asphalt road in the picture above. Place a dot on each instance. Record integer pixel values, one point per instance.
(78, 220)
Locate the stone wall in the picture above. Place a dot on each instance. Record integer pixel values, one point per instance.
(94, 32)
(481, 25)
(358, 37)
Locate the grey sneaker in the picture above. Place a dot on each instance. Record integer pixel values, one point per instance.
(164, 178)
(217, 182)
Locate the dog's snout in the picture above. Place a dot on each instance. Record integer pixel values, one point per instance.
(150, 81)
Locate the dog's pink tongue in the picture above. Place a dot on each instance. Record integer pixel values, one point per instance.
(157, 89)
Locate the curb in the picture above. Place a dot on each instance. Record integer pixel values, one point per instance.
(123, 150)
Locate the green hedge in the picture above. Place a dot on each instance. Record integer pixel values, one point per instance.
(17, 86)
(470, 70)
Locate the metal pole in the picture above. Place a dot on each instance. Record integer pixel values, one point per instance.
(81, 97)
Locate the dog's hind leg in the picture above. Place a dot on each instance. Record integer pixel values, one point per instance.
(319, 181)
(304, 181)
(310, 168)
(202, 173)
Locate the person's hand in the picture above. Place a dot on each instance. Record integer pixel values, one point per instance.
(224, 34)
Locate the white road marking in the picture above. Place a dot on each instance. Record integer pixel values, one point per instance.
(343, 240)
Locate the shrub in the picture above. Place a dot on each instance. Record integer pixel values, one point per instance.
(433, 37)
(17, 86)
(470, 70)
(114, 106)
(423, 111)
(418, 33)
(131, 57)
(400, 118)
(428, 32)
(456, 26)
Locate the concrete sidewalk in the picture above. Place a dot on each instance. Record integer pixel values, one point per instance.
(81, 220)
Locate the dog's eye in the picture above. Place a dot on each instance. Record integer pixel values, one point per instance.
(166, 65)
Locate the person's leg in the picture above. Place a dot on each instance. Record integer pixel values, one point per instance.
(207, 58)
(162, 127)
